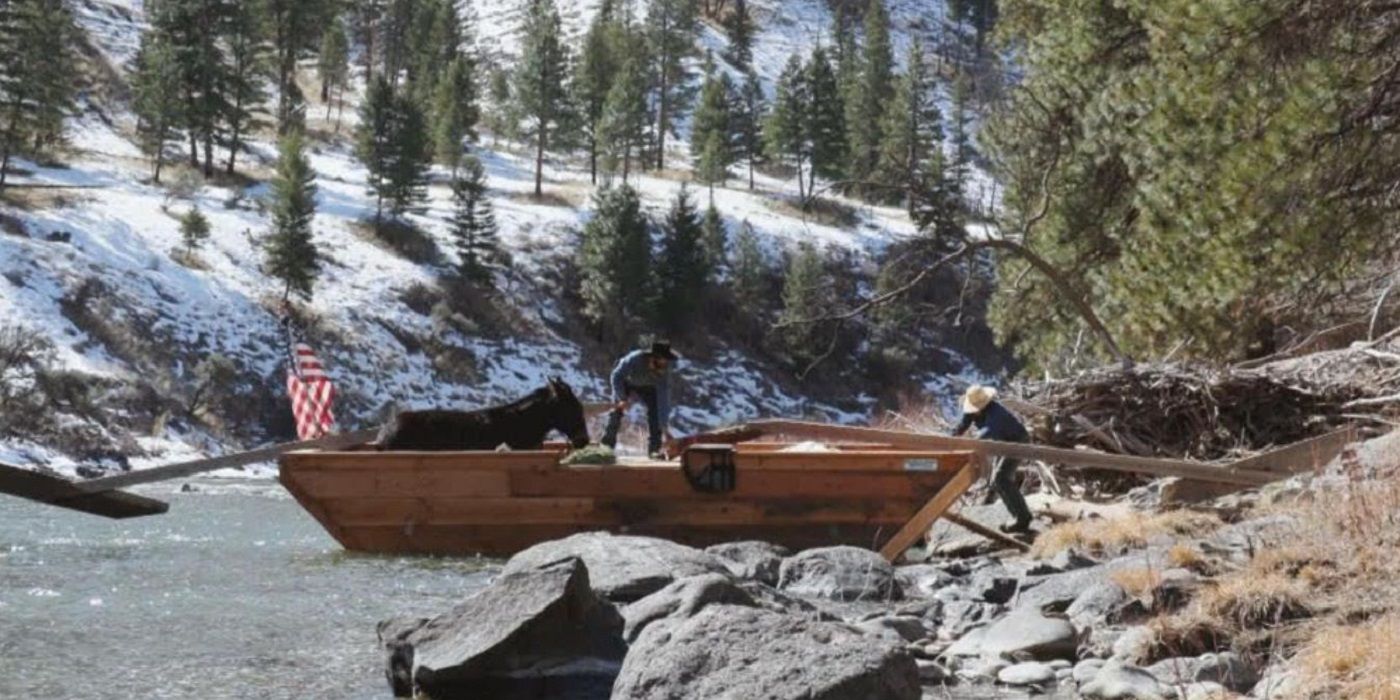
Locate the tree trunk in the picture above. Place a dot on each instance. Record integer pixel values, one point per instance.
(593, 159)
(539, 161)
(339, 105)
(4, 162)
(1066, 291)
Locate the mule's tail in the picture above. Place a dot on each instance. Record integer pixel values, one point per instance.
(389, 427)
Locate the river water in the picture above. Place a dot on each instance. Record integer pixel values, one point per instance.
(235, 593)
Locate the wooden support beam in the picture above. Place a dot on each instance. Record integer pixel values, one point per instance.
(987, 532)
(200, 466)
(918, 526)
(1155, 466)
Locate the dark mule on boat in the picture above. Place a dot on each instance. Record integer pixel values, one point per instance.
(522, 425)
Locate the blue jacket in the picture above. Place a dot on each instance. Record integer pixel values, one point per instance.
(994, 423)
(634, 369)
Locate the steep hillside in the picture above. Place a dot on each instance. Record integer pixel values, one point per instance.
(173, 353)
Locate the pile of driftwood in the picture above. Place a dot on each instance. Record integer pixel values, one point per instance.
(1191, 412)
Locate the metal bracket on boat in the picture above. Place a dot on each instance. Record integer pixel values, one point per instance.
(710, 468)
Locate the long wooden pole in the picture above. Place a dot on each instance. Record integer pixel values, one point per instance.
(1098, 460)
(262, 454)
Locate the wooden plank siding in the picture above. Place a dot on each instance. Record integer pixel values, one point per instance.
(496, 503)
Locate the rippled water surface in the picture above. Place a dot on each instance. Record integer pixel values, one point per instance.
(236, 593)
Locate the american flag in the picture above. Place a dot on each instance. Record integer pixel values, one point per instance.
(311, 392)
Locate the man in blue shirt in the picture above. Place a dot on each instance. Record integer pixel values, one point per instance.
(995, 422)
(645, 375)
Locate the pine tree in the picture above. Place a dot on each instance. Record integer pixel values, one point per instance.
(245, 69)
(712, 115)
(194, 229)
(747, 123)
(603, 53)
(740, 28)
(396, 38)
(293, 26)
(683, 266)
(785, 130)
(501, 118)
(981, 14)
(393, 145)
(333, 64)
(869, 96)
(541, 82)
(806, 297)
(454, 111)
(622, 128)
(291, 252)
(713, 167)
(959, 169)
(436, 42)
(37, 72)
(191, 29)
(671, 30)
(473, 226)
(615, 262)
(911, 154)
(715, 240)
(155, 100)
(825, 122)
(368, 17)
(751, 272)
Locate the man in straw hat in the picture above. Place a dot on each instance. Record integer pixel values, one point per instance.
(645, 375)
(995, 422)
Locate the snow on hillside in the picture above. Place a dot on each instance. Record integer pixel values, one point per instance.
(123, 233)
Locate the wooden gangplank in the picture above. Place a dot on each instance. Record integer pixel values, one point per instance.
(55, 490)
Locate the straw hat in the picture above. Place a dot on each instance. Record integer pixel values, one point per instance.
(977, 398)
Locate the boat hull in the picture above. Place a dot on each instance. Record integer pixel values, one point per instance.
(498, 503)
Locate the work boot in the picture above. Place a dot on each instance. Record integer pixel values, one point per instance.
(1012, 526)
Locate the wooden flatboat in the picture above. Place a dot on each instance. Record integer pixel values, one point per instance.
(498, 503)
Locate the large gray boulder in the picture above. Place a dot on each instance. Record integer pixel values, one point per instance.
(623, 568)
(733, 652)
(751, 560)
(1118, 681)
(841, 574)
(1022, 633)
(1226, 669)
(529, 632)
(681, 600)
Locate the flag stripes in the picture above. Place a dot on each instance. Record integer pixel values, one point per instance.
(312, 394)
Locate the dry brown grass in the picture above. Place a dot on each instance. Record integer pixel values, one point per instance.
(1187, 633)
(1137, 583)
(1247, 599)
(1113, 535)
(1355, 662)
(1184, 556)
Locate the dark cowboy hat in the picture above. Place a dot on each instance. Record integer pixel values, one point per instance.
(661, 349)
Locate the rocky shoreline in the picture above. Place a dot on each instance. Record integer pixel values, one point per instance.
(633, 618)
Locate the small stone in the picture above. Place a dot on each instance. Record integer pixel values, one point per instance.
(1085, 670)
(1206, 691)
(931, 671)
(1028, 673)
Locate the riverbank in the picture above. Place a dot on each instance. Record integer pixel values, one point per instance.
(1284, 591)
